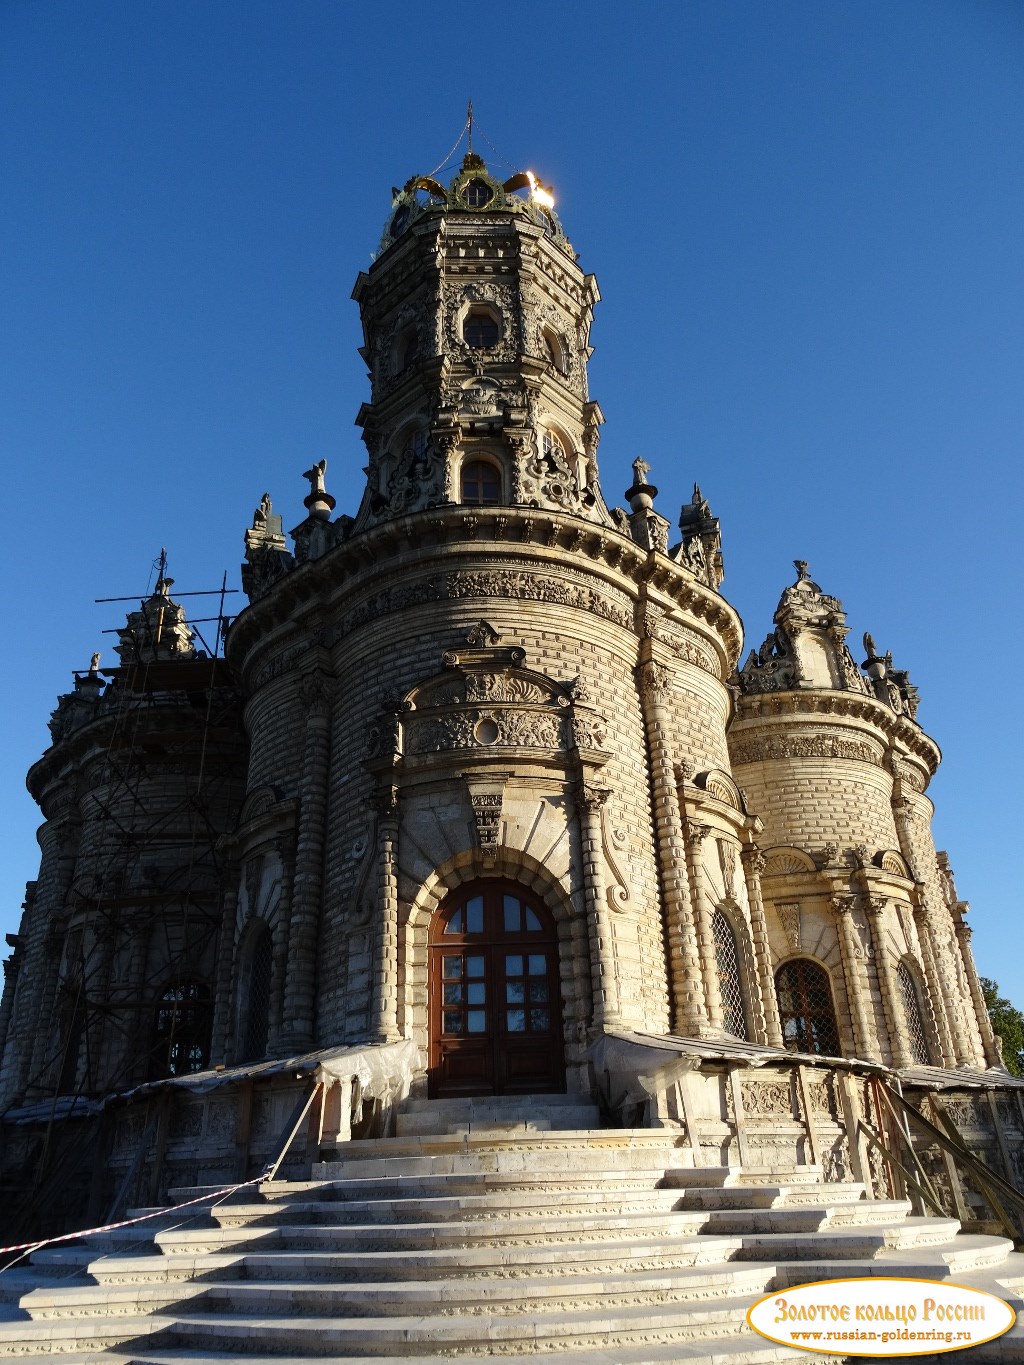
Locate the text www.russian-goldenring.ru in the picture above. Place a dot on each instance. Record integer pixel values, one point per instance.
(900, 1334)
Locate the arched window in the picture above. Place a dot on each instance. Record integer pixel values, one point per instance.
(734, 1016)
(481, 483)
(181, 1031)
(553, 449)
(555, 348)
(407, 348)
(912, 1010)
(254, 996)
(415, 447)
(480, 329)
(806, 1012)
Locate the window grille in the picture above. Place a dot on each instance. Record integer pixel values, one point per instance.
(912, 1009)
(257, 1021)
(806, 1012)
(181, 1036)
(729, 980)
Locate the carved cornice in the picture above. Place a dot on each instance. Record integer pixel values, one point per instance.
(828, 704)
(608, 567)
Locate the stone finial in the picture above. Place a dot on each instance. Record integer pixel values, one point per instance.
(318, 501)
(701, 547)
(641, 494)
(158, 632)
(890, 685)
(647, 527)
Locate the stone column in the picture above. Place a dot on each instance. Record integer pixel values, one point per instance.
(705, 931)
(224, 985)
(297, 1033)
(857, 989)
(11, 965)
(892, 997)
(385, 988)
(963, 937)
(754, 863)
(58, 840)
(277, 1038)
(688, 1013)
(932, 979)
(590, 801)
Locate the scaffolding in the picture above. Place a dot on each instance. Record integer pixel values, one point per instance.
(131, 955)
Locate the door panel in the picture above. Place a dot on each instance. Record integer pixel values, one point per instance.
(495, 1002)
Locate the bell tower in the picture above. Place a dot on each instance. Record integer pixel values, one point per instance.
(476, 323)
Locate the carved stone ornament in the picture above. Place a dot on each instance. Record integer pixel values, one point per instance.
(509, 584)
(808, 646)
(486, 797)
(761, 750)
(789, 918)
(483, 634)
(727, 859)
(655, 682)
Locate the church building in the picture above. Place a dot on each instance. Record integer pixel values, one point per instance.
(483, 780)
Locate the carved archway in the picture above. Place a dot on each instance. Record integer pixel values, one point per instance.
(495, 1010)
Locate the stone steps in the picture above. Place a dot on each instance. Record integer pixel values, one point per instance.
(437, 1208)
(456, 1335)
(600, 1246)
(748, 1350)
(439, 1296)
(497, 1261)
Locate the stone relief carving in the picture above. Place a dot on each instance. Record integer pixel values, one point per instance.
(521, 585)
(767, 1099)
(613, 841)
(803, 746)
(789, 918)
(502, 687)
(487, 819)
(482, 729)
(727, 861)
(686, 644)
(589, 731)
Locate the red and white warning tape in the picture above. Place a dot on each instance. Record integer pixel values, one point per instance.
(127, 1222)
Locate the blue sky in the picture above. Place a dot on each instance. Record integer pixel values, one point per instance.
(806, 223)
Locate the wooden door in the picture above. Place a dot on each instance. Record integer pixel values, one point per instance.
(495, 1003)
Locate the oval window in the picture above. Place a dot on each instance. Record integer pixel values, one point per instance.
(478, 194)
(480, 329)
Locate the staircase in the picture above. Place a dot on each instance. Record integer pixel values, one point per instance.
(484, 1229)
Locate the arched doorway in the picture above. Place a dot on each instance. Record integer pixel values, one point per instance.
(495, 1002)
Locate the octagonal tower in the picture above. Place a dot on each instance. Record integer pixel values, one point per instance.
(479, 691)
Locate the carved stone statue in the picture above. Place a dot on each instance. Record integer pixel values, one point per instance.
(316, 478)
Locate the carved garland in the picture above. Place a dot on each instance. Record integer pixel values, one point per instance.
(803, 746)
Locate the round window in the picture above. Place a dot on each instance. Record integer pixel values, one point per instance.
(400, 221)
(480, 329)
(478, 194)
